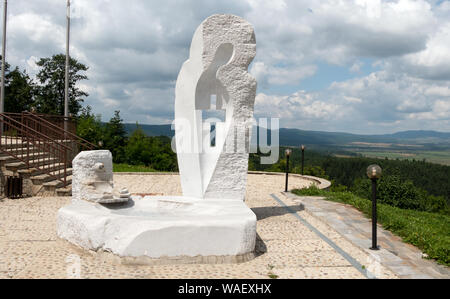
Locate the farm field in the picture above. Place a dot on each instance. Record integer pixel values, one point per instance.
(437, 157)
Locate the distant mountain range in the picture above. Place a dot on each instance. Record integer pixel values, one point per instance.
(295, 137)
(152, 130)
(420, 134)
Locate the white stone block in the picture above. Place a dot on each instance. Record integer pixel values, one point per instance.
(161, 227)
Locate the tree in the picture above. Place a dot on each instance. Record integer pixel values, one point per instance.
(138, 148)
(155, 152)
(89, 126)
(115, 137)
(51, 91)
(18, 91)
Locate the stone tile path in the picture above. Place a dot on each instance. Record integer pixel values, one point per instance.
(403, 259)
(286, 247)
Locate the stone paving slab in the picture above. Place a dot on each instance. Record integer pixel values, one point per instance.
(286, 248)
(405, 260)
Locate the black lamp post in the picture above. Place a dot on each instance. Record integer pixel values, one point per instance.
(303, 159)
(288, 155)
(374, 173)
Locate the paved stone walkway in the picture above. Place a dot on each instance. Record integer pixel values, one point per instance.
(403, 259)
(286, 248)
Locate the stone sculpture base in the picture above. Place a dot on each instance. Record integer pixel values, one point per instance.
(161, 227)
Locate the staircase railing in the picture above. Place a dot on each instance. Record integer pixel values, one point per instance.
(63, 123)
(26, 145)
(57, 132)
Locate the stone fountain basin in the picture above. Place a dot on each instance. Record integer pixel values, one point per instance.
(158, 227)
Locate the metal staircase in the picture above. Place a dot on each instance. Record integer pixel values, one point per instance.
(40, 149)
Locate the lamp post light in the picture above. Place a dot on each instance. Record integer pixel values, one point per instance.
(374, 173)
(288, 155)
(303, 159)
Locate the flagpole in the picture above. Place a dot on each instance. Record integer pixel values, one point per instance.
(66, 97)
(2, 97)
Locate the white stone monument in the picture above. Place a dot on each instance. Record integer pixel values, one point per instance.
(215, 78)
(211, 219)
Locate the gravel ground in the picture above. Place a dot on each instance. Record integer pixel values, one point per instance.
(286, 248)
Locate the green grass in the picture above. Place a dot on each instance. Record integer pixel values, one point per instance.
(428, 231)
(273, 276)
(131, 168)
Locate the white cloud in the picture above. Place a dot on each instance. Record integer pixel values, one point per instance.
(440, 112)
(356, 67)
(110, 102)
(440, 91)
(300, 110)
(434, 61)
(352, 99)
(272, 75)
(135, 49)
(379, 102)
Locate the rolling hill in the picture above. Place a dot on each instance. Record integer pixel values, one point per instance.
(431, 146)
(295, 137)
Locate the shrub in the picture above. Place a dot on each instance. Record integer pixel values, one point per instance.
(435, 204)
(154, 152)
(131, 168)
(311, 191)
(89, 126)
(337, 187)
(316, 171)
(394, 191)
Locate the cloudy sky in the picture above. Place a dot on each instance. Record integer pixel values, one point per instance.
(362, 66)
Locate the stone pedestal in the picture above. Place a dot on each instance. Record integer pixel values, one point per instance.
(161, 227)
